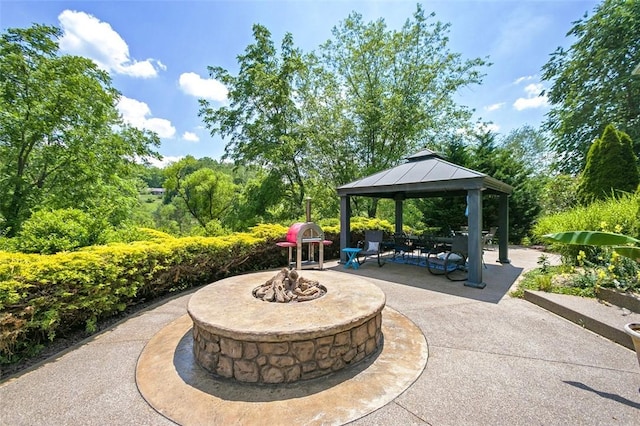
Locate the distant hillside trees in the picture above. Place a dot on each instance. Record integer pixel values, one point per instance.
(592, 83)
(62, 141)
(152, 176)
(205, 193)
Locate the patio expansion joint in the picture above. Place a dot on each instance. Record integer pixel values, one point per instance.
(411, 413)
(111, 341)
(446, 307)
(553, 361)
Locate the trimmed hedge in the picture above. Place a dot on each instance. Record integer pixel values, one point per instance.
(44, 296)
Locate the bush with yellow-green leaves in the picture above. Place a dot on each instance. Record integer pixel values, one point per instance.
(44, 296)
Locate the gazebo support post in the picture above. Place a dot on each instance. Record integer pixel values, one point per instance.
(503, 229)
(399, 207)
(345, 226)
(474, 200)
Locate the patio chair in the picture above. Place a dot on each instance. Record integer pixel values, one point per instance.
(372, 247)
(489, 237)
(452, 263)
(402, 247)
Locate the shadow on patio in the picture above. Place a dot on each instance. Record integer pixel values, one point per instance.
(498, 277)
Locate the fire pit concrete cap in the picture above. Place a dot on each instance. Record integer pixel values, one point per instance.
(228, 308)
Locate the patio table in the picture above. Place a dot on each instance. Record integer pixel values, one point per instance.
(352, 260)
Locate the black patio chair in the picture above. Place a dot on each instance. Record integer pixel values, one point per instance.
(452, 263)
(372, 246)
(402, 247)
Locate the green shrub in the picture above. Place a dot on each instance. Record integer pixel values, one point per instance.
(8, 244)
(214, 228)
(555, 279)
(361, 224)
(42, 296)
(128, 233)
(544, 282)
(269, 231)
(49, 232)
(619, 215)
(611, 167)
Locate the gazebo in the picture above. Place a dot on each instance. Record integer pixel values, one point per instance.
(427, 174)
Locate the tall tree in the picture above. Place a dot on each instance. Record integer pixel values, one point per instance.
(531, 146)
(261, 122)
(524, 202)
(592, 82)
(558, 194)
(391, 91)
(62, 141)
(508, 166)
(205, 193)
(485, 155)
(611, 167)
(448, 213)
(259, 201)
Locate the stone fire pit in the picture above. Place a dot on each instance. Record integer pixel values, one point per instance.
(238, 336)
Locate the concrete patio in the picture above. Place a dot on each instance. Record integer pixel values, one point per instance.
(492, 359)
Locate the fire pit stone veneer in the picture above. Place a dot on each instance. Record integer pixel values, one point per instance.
(239, 337)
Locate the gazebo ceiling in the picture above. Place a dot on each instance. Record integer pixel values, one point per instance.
(425, 174)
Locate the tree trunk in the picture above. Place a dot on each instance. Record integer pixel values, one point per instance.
(373, 208)
(13, 213)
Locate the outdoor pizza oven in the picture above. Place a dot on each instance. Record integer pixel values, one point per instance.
(308, 233)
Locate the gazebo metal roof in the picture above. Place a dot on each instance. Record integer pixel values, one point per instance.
(425, 174)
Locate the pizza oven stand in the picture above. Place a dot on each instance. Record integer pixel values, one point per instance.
(308, 233)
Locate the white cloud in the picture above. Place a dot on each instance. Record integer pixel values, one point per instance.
(166, 160)
(524, 78)
(85, 35)
(494, 107)
(487, 127)
(530, 103)
(190, 136)
(533, 99)
(533, 89)
(192, 84)
(137, 114)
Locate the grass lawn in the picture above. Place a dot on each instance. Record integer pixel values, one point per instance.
(150, 202)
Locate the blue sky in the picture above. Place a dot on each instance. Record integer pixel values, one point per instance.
(157, 52)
